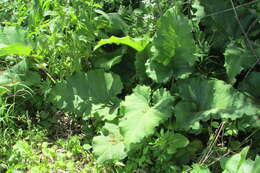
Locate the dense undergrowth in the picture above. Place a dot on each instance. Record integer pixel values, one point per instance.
(130, 86)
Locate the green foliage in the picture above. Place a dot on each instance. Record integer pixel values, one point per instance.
(106, 60)
(79, 92)
(110, 147)
(238, 163)
(199, 169)
(251, 85)
(170, 59)
(203, 99)
(173, 38)
(236, 60)
(14, 41)
(170, 142)
(140, 118)
(129, 86)
(136, 43)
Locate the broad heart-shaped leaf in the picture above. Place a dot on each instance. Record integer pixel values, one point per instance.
(140, 118)
(136, 43)
(168, 59)
(237, 59)
(80, 91)
(251, 85)
(173, 39)
(13, 41)
(202, 99)
(111, 146)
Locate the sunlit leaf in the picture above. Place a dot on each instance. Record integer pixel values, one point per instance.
(13, 41)
(136, 43)
(238, 163)
(110, 146)
(173, 39)
(140, 118)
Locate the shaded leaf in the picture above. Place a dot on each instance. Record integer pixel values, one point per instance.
(19, 73)
(80, 91)
(202, 99)
(236, 60)
(106, 60)
(115, 22)
(171, 142)
(251, 85)
(140, 60)
(106, 111)
(159, 72)
(225, 21)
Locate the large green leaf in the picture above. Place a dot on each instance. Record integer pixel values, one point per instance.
(136, 43)
(80, 91)
(202, 99)
(13, 41)
(140, 118)
(173, 39)
(171, 59)
(110, 146)
(236, 60)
